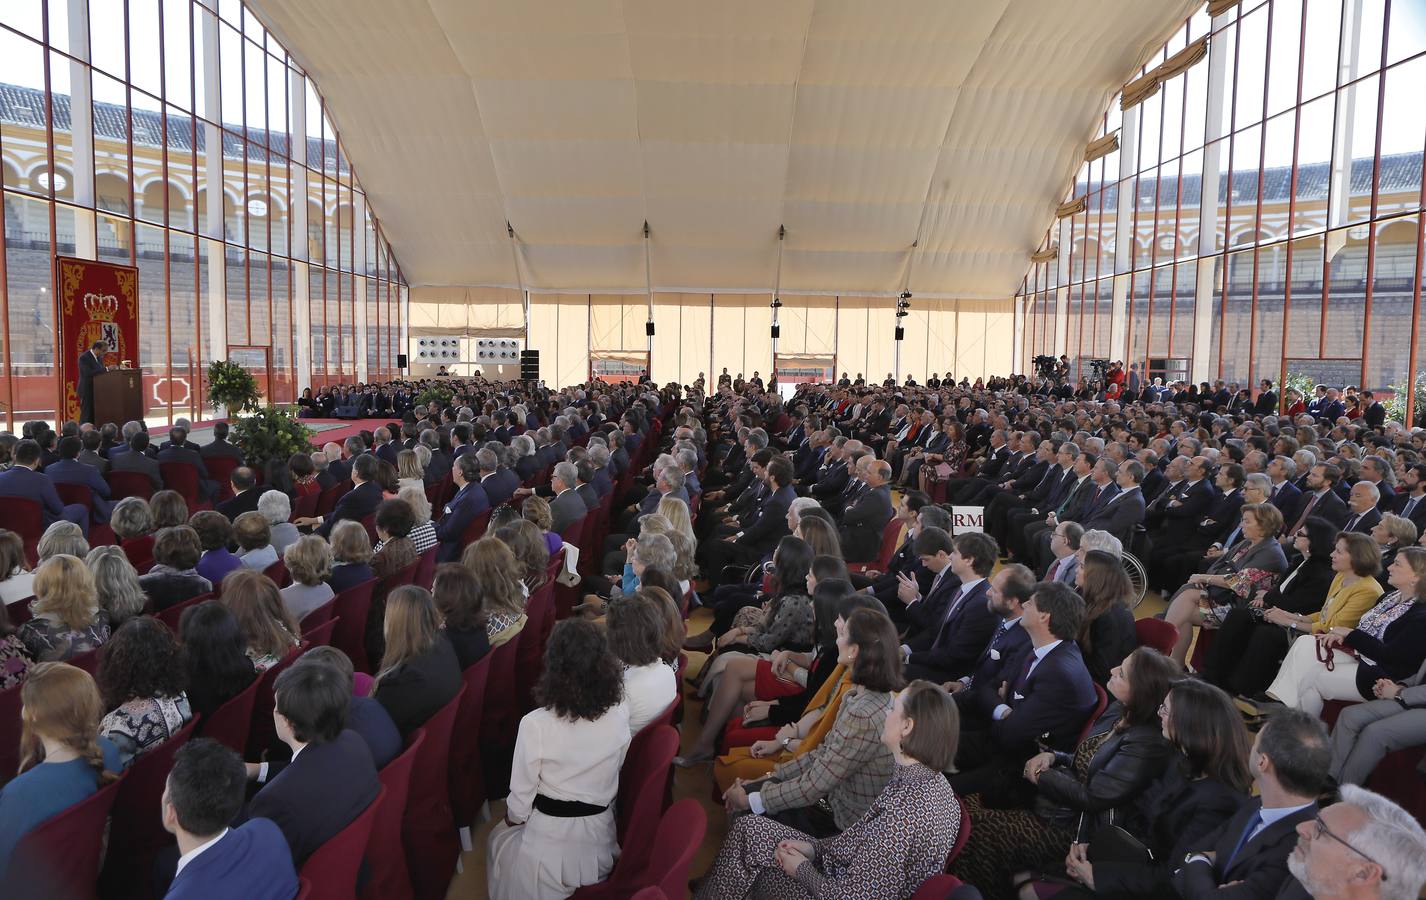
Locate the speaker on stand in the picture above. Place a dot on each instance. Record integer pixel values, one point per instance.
(401, 361)
(529, 365)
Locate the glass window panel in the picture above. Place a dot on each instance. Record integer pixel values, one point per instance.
(230, 65)
(1138, 314)
(1225, 41)
(1368, 47)
(177, 65)
(1393, 271)
(1403, 135)
(1179, 333)
(1187, 229)
(255, 93)
(1250, 82)
(1247, 150)
(26, 16)
(111, 150)
(62, 181)
(234, 190)
(145, 37)
(277, 107)
(1305, 284)
(1346, 304)
(1225, 188)
(106, 37)
(152, 356)
(115, 237)
(1149, 122)
(1171, 137)
(1285, 45)
(235, 259)
(1324, 30)
(28, 265)
(283, 364)
(1195, 112)
(1267, 340)
(181, 207)
(332, 232)
(231, 11)
(1408, 31)
(258, 207)
(1314, 157)
(1144, 218)
(1356, 112)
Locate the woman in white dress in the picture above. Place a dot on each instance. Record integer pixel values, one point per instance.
(559, 834)
(637, 633)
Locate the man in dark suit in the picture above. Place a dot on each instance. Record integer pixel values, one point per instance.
(1286, 496)
(357, 503)
(584, 474)
(763, 530)
(1124, 509)
(566, 508)
(1354, 847)
(138, 460)
(1183, 513)
(1320, 499)
(179, 450)
(202, 797)
(951, 629)
(831, 478)
(488, 468)
(220, 446)
(1376, 471)
(865, 518)
(1247, 856)
(245, 494)
(387, 446)
(978, 692)
(1362, 508)
(470, 501)
(69, 470)
(91, 363)
(1052, 694)
(23, 480)
(1266, 404)
(331, 778)
(1373, 413)
(91, 441)
(1411, 501)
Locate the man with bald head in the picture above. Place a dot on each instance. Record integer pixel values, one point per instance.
(867, 513)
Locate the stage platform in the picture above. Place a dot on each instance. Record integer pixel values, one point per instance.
(325, 430)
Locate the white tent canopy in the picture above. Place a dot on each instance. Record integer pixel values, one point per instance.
(860, 125)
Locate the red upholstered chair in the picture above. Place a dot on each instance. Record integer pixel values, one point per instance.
(1200, 648)
(428, 828)
(476, 529)
(889, 537)
(467, 780)
(128, 484)
(321, 635)
(352, 606)
(61, 855)
(650, 893)
(262, 732)
(962, 837)
(319, 616)
(88, 660)
(426, 569)
(304, 889)
(937, 887)
(174, 614)
(332, 868)
(530, 657)
(230, 723)
(1156, 633)
(10, 726)
(278, 573)
(19, 611)
(27, 519)
(670, 844)
(389, 878)
(139, 550)
(74, 493)
(1099, 707)
(184, 478)
(499, 720)
(327, 500)
(305, 506)
(641, 784)
(136, 834)
(566, 597)
(220, 469)
(369, 523)
(438, 495)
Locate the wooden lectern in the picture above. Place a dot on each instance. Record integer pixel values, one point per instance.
(118, 396)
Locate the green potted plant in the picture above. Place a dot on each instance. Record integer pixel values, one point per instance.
(270, 433)
(231, 388)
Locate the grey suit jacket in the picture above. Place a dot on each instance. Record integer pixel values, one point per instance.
(1267, 555)
(566, 509)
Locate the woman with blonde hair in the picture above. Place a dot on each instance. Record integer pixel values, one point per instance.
(820, 535)
(62, 537)
(132, 523)
(116, 583)
(496, 570)
(16, 582)
(1391, 534)
(267, 627)
(528, 545)
(409, 472)
(63, 759)
(310, 562)
(67, 618)
(168, 509)
(254, 537)
(351, 556)
(537, 509)
(680, 534)
(423, 533)
(419, 670)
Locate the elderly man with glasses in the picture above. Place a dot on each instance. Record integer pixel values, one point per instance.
(1363, 847)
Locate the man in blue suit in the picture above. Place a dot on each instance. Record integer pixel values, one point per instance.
(1125, 509)
(23, 481)
(357, 503)
(1052, 694)
(331, 778)
(953, 622)
(69, 470)
(978, 693)
(204, 793)
(470, 501)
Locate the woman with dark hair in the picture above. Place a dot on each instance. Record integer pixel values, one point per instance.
(675, 629)
(558, 833)
(174, 577)
(303, 474)
(419, 670)
(787, 576)
(1074, 794)
(636, 635)
(902, 839)
(1254, 637)
(1107, 635)
(214, 532)
(1207, 779)
(168, 509)
(850, 767)
(268, 628)
(16, 583)
(394, 550)
(142, 680)
(462, 609)
(214, 656)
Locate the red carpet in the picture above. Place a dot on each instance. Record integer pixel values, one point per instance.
(327, 430)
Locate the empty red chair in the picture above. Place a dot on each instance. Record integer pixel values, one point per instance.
(426, 569)
(136, 835)
(128, 484)
(173, 615)
(889, 538)
(60, 856)
(352, 606)
(530, 657)
(184, 478)
(332, 868)
(389, 878)
(937, 887)
(671, 841)
(230, 723)
(327, 500)
(263, 732)
(466, 780)
(27, 519)
(428, 828)
(499, 720)
(321, 636)
(278, 573)
(220, 469)
(1156, 633)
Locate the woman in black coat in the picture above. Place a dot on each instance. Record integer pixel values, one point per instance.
(1108, 633)
(1248, 649)
(1203, 786)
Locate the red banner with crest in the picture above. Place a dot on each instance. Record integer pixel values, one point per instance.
(98, 301)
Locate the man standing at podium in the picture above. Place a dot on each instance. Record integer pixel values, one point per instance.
(91, 363)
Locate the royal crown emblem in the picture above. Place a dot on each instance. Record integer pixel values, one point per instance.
(102, 307)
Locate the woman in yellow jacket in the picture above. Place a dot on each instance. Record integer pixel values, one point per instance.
(1356, 559)
(793, 739)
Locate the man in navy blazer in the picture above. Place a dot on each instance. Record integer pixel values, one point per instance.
(763, 532)
(1247, 856)
(1053, 694)
(203, 795)
(23, 481)
(1125, 509)
(470, 501)
(956, 623)
(1411, 500)
(1286, 496)
(331, 778)
(495, 488)
(69, 470)
(978, 693)
(357, 503)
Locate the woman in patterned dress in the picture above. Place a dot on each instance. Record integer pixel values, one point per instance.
(67, 618)
(141, 677)
(266, 624)
(902, 839)
(1125, 752)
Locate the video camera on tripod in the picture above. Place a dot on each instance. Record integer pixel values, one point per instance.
(1045, 366)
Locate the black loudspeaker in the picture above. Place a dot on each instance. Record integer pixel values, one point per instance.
(400, 360)
(776, 331)
(529, 365)
(649, 328)
(900, 333)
